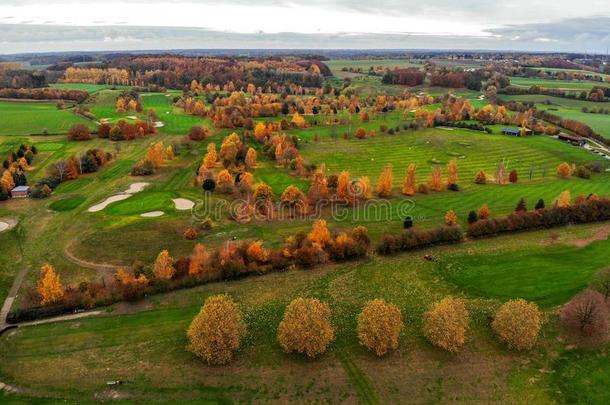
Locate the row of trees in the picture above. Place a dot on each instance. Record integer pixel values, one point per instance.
(216, 333)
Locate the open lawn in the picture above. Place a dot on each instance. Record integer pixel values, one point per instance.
(555, 84)
(24, 118)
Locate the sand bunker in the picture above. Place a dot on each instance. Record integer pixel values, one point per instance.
(131, 117)
(152, 214)
(136, 187)
(182, 204)
(108, 201)
(7, 223)
(159, 124)
(133, 188)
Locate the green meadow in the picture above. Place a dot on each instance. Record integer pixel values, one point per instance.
(25, 118)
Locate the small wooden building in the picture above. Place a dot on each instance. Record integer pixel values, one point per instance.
(20, 192)
(573, 139)
(515, 131)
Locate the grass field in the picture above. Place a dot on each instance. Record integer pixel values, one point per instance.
(569, 85)
(24, 118)
(570, 109)
(160, 367)
(143, 343)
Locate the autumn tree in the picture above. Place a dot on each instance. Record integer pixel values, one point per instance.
(450, 218)
(169, 153)
(250, 158)
(211, 157)
(225, 181)
(49, 285)
(435, 181)
(306, 327)
(445, 324)
(481, 177)
(154, 154)
(452, 172)
(319, 235)
(298, 120)
(215, 334)
(501, 174)
(384, 182)
(199, 260)
(521, 206)
(586, 315)
(564, 170)
(344, 189)
(362, 188)
(164, 266)
(513, 177)
(517, 323)
(484, 212)
(7, 180)
(410, 181)
(379, 326)
(79, 132)
(564, 200)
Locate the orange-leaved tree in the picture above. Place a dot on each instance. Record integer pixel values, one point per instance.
(410, 182)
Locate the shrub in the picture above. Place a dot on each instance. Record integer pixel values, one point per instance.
(306, 327)
(583, 172)
(586, 315)
(517, 323)
(143, 168)
(190, 233)
(216, 332)
(445, 324)
(472, 217)
(480, 178)
(198, 133)
(379, 326)
(79, 132)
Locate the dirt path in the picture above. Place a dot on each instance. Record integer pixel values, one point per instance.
(599, 234)
(10, 298)
(89, 265)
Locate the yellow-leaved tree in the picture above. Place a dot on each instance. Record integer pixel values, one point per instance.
(215, 334)
(211, 157)
(164, 266)
(379, 326)
(306, 327)
(445, 324)
(49, 285)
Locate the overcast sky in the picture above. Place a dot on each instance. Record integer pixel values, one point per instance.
(66, 25)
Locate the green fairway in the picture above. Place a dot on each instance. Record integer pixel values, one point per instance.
(473, 150)
(91, 88)
(143, 202)
(545, 275)
(555, 84)
(67, 204)
(24, 118)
